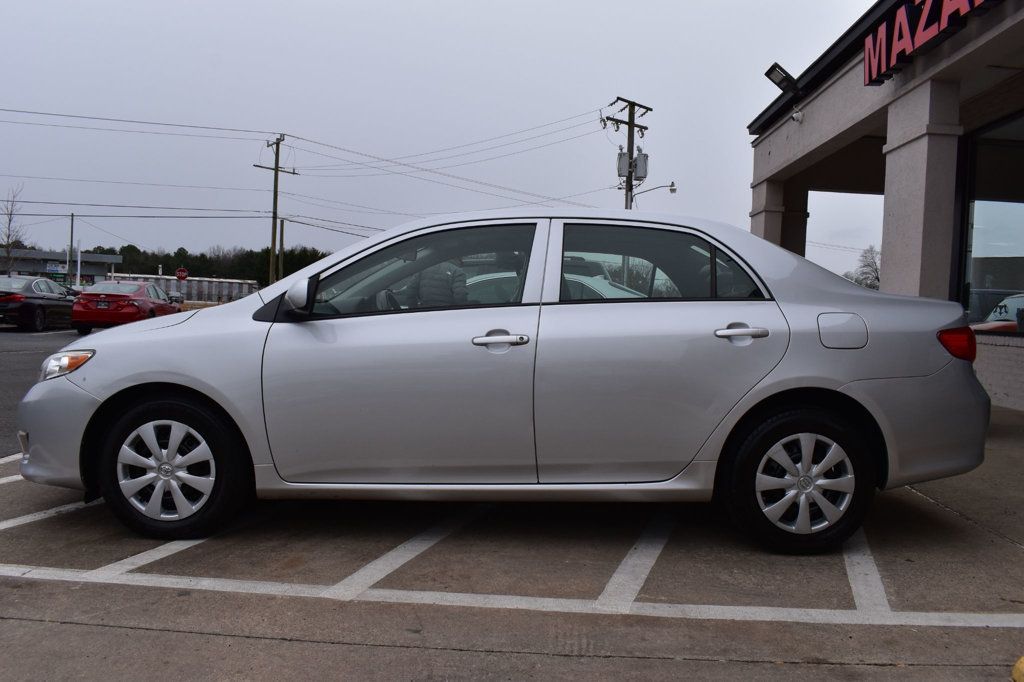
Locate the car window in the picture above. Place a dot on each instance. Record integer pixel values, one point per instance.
(39, 286)
(160, 293)
(113, 288)
(647, 263)
(431, 272)
(493, 289)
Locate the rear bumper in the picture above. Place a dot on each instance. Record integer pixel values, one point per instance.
(934, 426)
(53, 416)
(15, 313)
(105, 318)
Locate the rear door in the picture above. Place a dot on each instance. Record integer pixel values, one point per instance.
(630, 384)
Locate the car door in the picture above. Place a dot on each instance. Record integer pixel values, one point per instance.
(399, 376)
(629, 386)
(51, 301)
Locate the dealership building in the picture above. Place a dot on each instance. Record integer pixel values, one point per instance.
(921, 102)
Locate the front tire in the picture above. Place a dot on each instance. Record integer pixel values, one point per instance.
(172, 469)
(801, 481)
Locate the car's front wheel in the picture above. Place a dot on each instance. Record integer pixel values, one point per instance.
(173, 469)
(801, 481)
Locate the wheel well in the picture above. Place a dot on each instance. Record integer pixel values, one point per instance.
(116, 404)
(818, 398)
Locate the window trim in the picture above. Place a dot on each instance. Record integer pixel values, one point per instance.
(531, 289)
(552, 292)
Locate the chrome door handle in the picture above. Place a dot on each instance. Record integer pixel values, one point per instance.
(752, 332)
(510, 339)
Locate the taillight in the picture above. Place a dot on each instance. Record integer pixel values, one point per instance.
(12, 298)
(134, 303)
(960, 343)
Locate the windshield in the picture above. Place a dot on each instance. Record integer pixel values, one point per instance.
(113, 288)
(1006, 310)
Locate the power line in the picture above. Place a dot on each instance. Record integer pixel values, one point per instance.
(371, 210)
(464, 163)
(329, 229)
(131, 182)
(137, 121)
(124, 239)
(470, 153)
(262, 216)
(835, 247)
(157, 208)
(544, 199)
(123, 130)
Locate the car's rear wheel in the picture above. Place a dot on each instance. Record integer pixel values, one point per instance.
(173, 469)
(801, 481)
(37, 322)
(82, 329)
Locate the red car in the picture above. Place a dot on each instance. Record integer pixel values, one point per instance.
(112, 303)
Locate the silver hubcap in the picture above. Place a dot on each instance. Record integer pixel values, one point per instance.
(805, 483)
(166, 470)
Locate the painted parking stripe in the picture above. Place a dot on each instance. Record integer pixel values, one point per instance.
(11, 479)
(11, 458)
(138, 560)
(500, 601)
(862, 572)
(382, 566)
(630, 576)
(45, 514)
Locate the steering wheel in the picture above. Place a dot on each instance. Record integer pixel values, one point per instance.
(386, 300)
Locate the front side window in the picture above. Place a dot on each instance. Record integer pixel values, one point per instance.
(607, 262)
(452, 269)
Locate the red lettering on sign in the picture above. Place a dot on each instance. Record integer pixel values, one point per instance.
(876, 55)
(902, 39)
(925, 33)
(951, 7)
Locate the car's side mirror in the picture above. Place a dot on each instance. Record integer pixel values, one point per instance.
(300, 296)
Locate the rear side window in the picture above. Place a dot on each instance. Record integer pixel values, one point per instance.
(609, 262)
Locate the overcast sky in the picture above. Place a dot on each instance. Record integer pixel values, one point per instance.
(394, 79)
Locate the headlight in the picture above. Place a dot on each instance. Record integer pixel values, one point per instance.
(64, 363)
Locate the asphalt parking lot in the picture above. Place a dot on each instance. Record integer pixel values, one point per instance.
(933, 588)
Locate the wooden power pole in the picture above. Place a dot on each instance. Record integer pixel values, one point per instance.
(631, 126)
(274, 268)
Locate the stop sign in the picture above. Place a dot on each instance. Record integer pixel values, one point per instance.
(181, 273)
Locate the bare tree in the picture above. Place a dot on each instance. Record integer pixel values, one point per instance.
(12, 235)
(868, 272)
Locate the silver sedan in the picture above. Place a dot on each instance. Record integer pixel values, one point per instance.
(707, 363)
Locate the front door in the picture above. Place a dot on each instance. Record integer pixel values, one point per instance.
(631, 376)
(402, 376)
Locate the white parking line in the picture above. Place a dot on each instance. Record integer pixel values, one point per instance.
(500, 601)
(11, 458)
(382, 566)
(45, 514)
(11, 479)
(865, 581)
(143, 558)
(630, 576)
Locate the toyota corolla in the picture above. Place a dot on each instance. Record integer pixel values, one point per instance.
(718, 366)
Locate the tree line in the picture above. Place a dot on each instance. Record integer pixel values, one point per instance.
(233, 263)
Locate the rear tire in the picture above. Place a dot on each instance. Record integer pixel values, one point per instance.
(780, 490)
(38, 321)
(202, 479)
(82, 330)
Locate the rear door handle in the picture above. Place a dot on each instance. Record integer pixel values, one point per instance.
(752, 332)
(510, 339)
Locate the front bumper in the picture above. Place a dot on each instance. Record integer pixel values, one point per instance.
(53, 416)
(934, 426)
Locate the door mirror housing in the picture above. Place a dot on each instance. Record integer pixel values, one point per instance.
(300, 296)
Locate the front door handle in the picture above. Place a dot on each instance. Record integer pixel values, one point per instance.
(752, 332)
(510, 339)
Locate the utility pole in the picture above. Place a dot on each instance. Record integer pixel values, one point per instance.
(631, 127)
(280, 260)
(276, 144)
(71, 248)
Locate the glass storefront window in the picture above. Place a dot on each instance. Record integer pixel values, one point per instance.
(995, 245)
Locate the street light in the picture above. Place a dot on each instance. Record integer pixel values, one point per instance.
(671, 189)
(782, 79)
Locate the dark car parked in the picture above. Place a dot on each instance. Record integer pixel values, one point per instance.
(34, 303)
